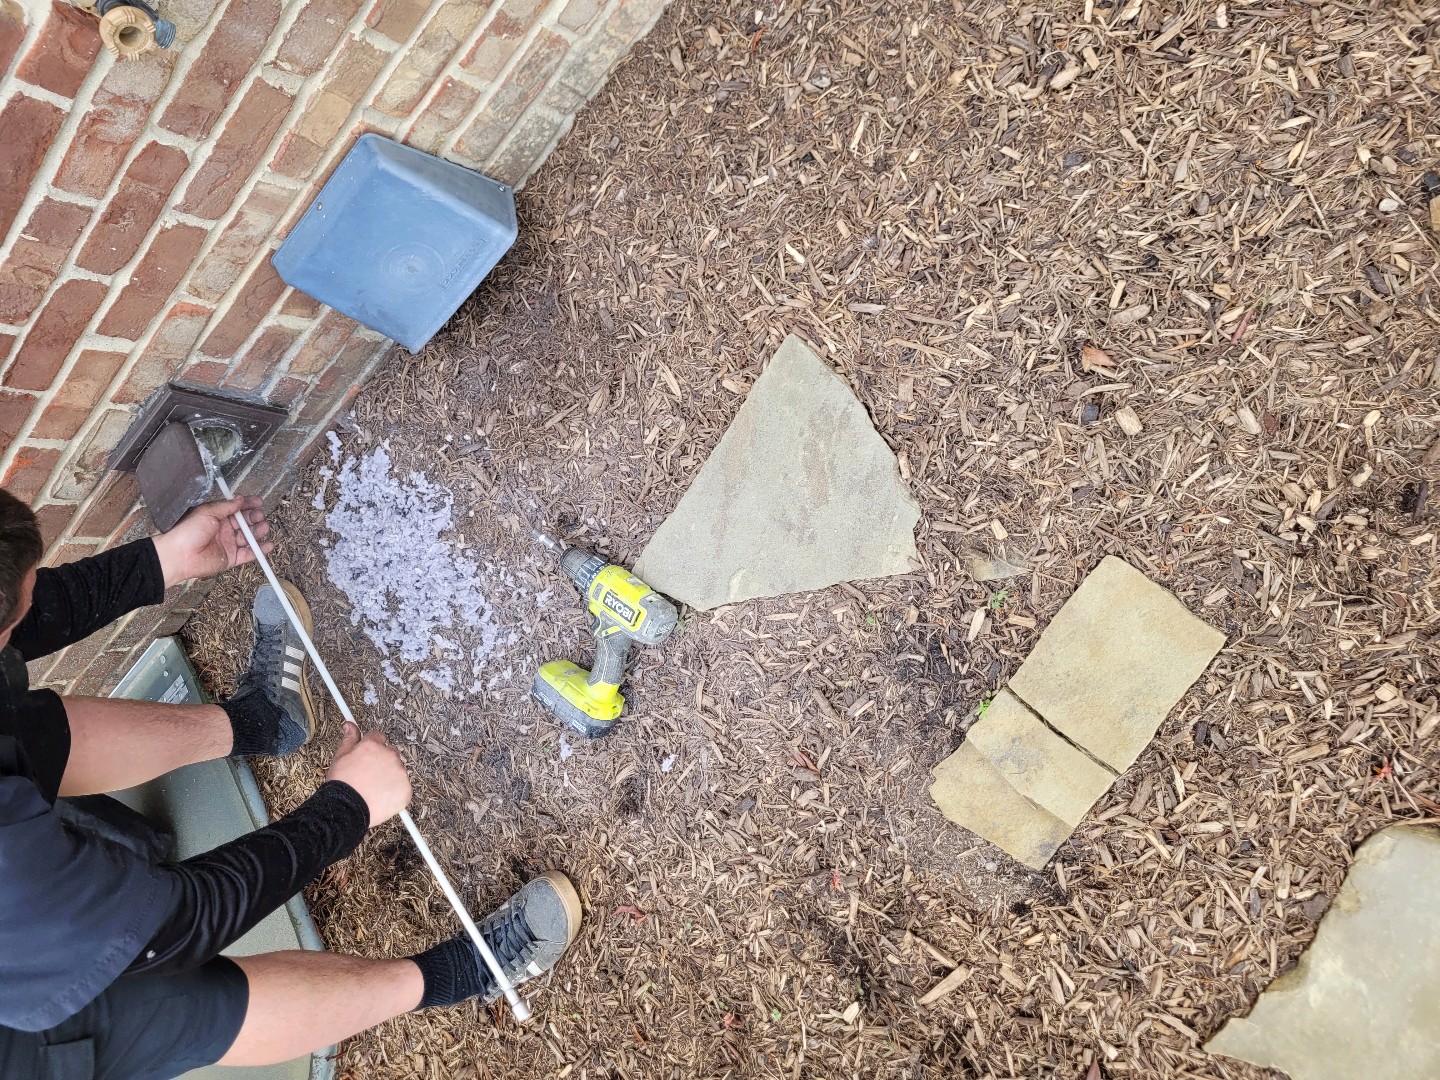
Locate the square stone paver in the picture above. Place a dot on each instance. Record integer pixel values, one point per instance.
(1036, 762)
(1107, 670)
(800, 493)
(1114, 661)
(1364, 1001)
(970, 791)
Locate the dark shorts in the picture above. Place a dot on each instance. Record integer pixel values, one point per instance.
(144, 1027)
(38, 722)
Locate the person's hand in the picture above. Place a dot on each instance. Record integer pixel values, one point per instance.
(373, 768)
(208, 540)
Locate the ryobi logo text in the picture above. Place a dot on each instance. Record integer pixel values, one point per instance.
(625, 612)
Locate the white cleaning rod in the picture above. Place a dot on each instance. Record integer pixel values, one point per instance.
(518, 1005)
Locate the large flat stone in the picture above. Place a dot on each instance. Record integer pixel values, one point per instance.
(970, 791)
(1036, 762)
(1364, 1001)
(1114, 661)
(800, 493)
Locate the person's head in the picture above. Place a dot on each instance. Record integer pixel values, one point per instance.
(20, 552)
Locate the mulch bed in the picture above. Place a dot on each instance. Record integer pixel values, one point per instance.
(950, 201)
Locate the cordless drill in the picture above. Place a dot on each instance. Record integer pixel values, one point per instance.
(622, 609)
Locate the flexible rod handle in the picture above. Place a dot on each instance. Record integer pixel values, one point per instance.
(518, 1005)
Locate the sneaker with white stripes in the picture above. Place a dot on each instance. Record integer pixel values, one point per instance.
(278, 663)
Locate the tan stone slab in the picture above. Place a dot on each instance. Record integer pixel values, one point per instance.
(800, 493)
(1036, 762)
(1114, 661)
(1364, 1001)
(972, 792)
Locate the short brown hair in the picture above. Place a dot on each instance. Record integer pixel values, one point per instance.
(20, 552)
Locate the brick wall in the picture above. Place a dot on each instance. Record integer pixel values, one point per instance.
(140, 203)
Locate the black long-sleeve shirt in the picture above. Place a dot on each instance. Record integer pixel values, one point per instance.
(76, 910)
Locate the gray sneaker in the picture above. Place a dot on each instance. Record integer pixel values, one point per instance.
(529, 932)
(277, 665)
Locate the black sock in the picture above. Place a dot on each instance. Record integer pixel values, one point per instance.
(254, 721)
(452, 972)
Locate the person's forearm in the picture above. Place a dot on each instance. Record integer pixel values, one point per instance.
(225, 892)
(75, 599)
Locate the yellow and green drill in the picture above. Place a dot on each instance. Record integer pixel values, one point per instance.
(622, 609)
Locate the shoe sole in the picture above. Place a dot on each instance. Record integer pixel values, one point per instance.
(307, 620)
(569, 898)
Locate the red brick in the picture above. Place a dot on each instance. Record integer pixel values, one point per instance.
(527, 145)
(204, 373)
(69, 551)
(522, 86)
(256, 298)
(284, 393)
(356, 356)
(579, 14)
(397, 19)
(328, 112)
(239, 149)
(78, 395)
(76, 477)
(216, 78)
(446, 111)
(30, 127)
(15, 409)
(62, 54)
(127, 217)
(497, 44)
(323, 345)
(166, 352)
(315, 34)
(630, 17)
(262, 359)
(272, 465)
(37, 256)
(54, 334)
(12, 32)
(136, 526)
(433, 49)
(321, 399)
(73, 661)
(145, 376)
(246, 234)
(117, 116)
(169, 258)
(28, 473)
(107, 671)
(296, 303)
(528, 77)
(54, 520)
(481, 139)
(104, 513)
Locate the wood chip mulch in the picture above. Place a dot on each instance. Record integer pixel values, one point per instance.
(1137, 278)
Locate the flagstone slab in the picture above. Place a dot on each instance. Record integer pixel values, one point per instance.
(1114, 661)
(1364, 1000)
(1036, 762)
(1107, 670)
(972, 792)
(801, 493)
